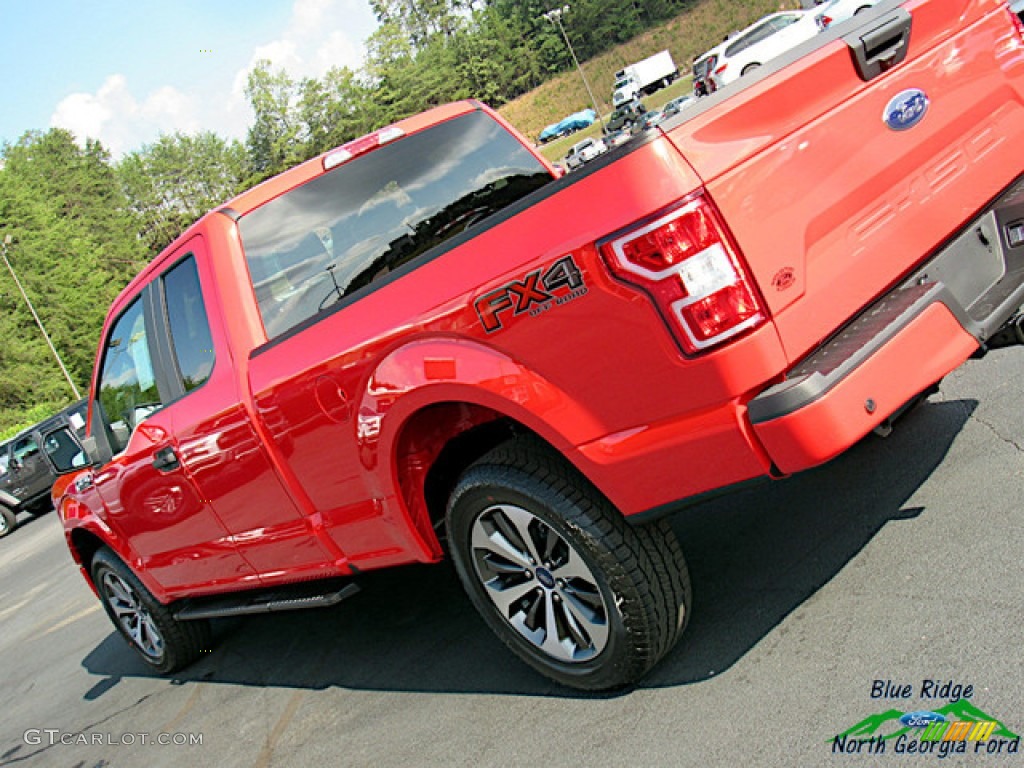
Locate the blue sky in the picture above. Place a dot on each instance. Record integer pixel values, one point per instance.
(124, 72)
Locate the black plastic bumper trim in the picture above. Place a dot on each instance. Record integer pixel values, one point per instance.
(656, 513)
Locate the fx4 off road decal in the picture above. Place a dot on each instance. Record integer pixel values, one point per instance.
(536, 292)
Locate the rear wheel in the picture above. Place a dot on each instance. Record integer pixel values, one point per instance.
(162, 641)
(8, 521)
(559, 575)
(749, 68)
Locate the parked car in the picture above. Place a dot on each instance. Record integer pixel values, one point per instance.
(703, 66)
(617, 139)
(836, 11)
(675, 106)
(31, 461)
(583, 152)
(762, 41)
(574, 122)
(648, 121)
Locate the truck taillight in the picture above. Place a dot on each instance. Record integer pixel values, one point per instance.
(685, 260)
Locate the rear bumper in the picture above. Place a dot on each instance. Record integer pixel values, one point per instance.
(807, 423)
(900, 345)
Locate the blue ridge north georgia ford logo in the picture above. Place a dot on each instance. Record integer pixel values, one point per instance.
(906, 109)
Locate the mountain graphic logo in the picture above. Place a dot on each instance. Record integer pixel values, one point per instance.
(959, 710)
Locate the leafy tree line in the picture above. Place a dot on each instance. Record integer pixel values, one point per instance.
(82, 224)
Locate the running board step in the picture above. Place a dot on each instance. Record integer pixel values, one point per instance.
(291, 598)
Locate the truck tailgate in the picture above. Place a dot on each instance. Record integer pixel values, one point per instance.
(830, 205)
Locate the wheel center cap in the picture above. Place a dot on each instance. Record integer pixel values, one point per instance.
(545, 578)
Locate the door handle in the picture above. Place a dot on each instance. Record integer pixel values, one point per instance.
(165, 460)
(882, 46)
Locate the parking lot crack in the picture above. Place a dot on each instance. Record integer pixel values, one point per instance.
(991, 428)
(12, 760)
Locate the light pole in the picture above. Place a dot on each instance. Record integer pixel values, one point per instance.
(7, 242)
(555, 15)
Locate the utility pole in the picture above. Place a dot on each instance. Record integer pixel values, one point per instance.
(7, 242)
(555, 16)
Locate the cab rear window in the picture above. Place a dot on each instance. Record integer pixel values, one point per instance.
(338, 233)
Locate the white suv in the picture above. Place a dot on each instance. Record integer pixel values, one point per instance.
(762, 41)
(837, 11)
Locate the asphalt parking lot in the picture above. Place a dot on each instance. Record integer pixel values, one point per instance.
(899, 562)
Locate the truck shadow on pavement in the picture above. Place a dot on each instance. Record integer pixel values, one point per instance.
(755, 558)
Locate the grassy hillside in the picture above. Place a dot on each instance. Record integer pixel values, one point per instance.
(555, 150)
(701, 26)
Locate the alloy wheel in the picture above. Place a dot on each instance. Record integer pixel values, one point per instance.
(539, 584)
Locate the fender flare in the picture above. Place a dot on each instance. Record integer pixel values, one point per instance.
(89, 523)
(449, 370)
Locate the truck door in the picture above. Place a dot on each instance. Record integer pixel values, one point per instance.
(216, 443)
(149, 500)
(30, 473)
(6, 480)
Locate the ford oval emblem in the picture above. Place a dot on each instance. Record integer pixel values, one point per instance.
(905, 109)
(921, 718)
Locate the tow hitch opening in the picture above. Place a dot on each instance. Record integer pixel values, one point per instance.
(1010, 335)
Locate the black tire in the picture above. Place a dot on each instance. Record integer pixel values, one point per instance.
(617, 596)
(749, 68)
(8, 521)
(163, 642)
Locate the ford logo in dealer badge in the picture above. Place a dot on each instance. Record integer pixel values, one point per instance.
(905, 109)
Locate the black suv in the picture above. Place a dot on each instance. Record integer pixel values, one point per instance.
(29, 461)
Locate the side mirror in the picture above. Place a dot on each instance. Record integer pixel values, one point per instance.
(64, 451)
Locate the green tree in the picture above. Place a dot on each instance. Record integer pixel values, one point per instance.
(171, 183)
(73, 249)
(274, 140)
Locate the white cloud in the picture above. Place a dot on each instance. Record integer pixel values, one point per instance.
(319, 35)
(120, 120)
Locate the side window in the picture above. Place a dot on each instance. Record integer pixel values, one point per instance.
(781, 22)
(190, 327)
(63, 451)
(128, 390)
(24, 449)
(756, 35)
(5, 460)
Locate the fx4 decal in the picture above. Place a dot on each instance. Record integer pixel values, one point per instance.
(537, 292)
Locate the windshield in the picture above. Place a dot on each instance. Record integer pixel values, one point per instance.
(334, 235)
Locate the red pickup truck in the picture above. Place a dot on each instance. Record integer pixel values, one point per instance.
(428, 343)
